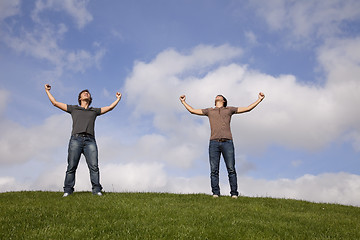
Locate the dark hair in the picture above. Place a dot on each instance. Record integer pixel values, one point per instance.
(80, 96)
(225, 100)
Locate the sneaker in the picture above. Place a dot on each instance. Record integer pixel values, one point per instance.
(234, 196)
(66, 194)
(98, 194)
(215, 196)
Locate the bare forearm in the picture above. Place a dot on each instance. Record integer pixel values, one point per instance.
(51, 97)
(110, 107)
(114, 104)
(253, 105)
(191, 109)
(187, 106)
(250, 107)
(60, 105)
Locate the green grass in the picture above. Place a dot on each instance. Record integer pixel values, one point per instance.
(46, 215)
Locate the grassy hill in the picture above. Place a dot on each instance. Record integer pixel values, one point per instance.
(46, 215)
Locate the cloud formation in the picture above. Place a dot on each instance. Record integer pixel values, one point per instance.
(306, 20)
(340, 59)
(19, 144)
(43, 44)
(9, 8)
(44, 40)
(294, 114)
(74, 8)
(342, 188)
(180, 139)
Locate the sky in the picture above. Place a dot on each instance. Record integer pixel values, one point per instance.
(302, 142)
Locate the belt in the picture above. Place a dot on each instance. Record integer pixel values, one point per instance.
(83, 135)
(221, 139)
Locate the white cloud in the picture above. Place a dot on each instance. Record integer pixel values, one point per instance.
(341, 62)
(151, 148)
(9, 8)
(293, 114)
(307, 19)
(75, 8)
(20, 144)
(342, 188)
(160, 80)
(43, 44)
(8, 184)
(340, 59)
(81, 60)
(139, 177)
(120, 177)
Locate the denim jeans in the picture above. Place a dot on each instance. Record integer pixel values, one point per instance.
(82, 145)
(227, 150)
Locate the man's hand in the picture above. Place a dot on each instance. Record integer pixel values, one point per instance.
(189, 108)
(60, 105)
(261, 96)
(182, 98)
(118, 95)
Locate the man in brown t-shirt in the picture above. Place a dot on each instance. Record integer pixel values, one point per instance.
(221, 141)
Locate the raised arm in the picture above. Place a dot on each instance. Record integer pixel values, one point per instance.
(189, 108)
(60, 105)
(113, 105)
(251, 106)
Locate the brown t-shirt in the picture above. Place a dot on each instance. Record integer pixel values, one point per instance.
(219, 119)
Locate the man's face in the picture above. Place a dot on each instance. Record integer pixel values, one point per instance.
(85, 96)
(219, 98)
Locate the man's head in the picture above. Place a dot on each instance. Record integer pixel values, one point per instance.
(222, 99)
(85, 96)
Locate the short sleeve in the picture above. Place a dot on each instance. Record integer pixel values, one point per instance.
(205, 111)
(98, 111)
(69, 108)
(233, 110)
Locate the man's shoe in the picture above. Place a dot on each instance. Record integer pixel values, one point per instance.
(215, 196)
(98, 194)
(234, 196)
(66, 194)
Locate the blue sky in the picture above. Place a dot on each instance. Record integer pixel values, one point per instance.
(302, 141)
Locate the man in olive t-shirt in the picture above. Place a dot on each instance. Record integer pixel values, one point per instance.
(82, 139)
(221, 141)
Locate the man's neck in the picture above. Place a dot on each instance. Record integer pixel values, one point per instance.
(84, 104)
(219, 105)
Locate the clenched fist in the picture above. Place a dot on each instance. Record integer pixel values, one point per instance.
(261, 95)
(182, 98)
(118, 95)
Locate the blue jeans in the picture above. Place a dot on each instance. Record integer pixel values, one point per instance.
(227, 150)
(82, 145)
